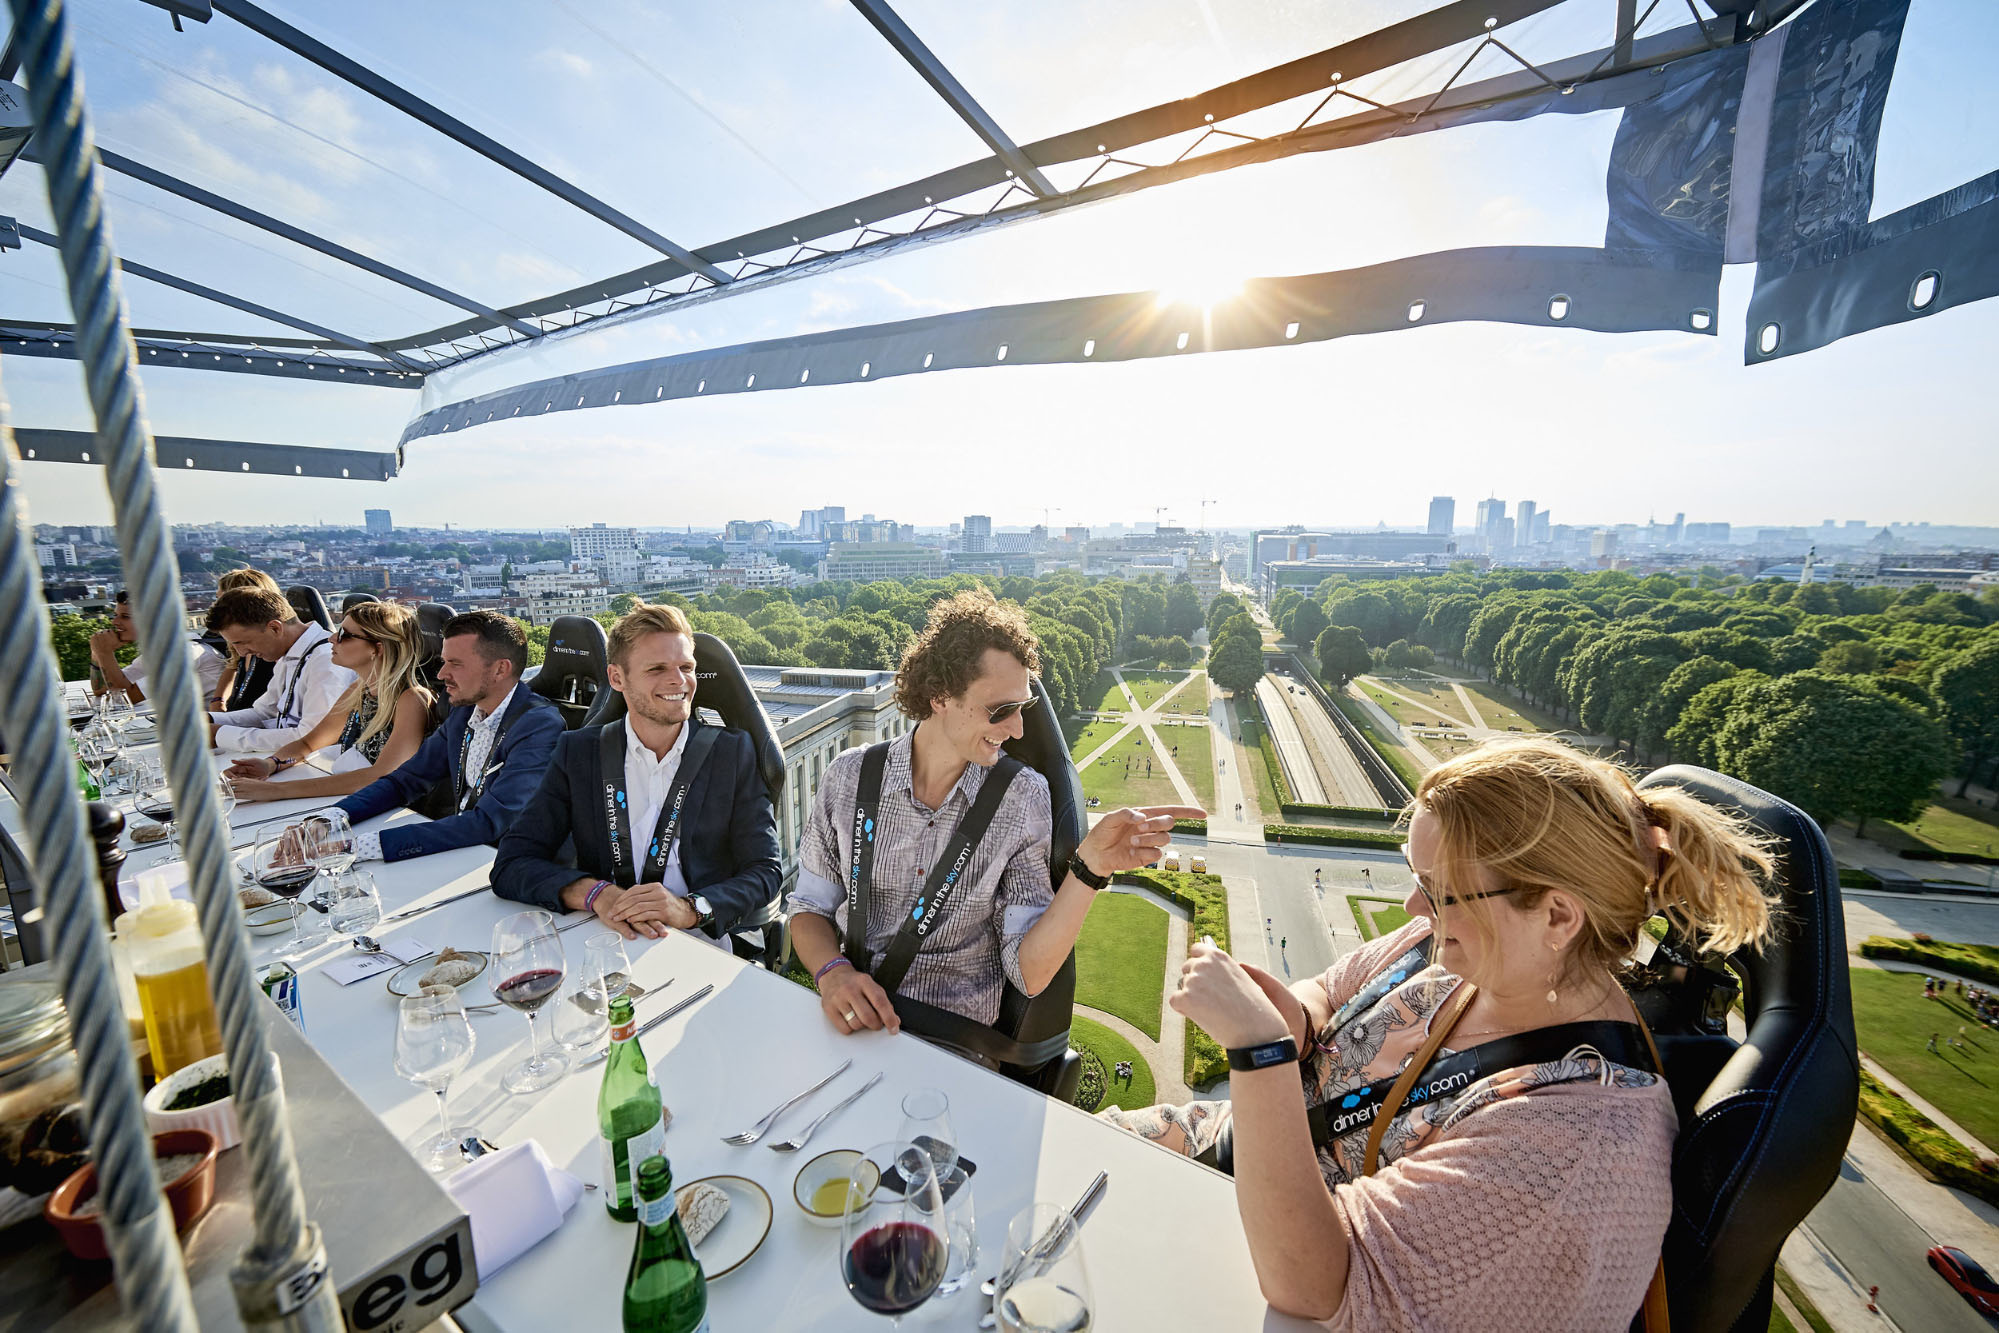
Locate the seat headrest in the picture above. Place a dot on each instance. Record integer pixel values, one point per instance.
(354, 599)
(309, 604)
(573, 673)
(1763, 1130)
(431, 618)
(1042, 749)
(720, 685)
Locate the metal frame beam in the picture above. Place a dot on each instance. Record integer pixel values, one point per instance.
(368, 81)
(179, 453)
(159, 180)
(938, 75)
(150, 274)
(286, 358)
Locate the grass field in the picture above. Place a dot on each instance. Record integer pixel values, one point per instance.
(1084, 736)
(1103, 696)
(1121, 960)
(1149, 687)
(1392, 752)
(1107, 780)
(1249, 759)
(1895, 1023)
(1949, 827)
(1501, 713)
(1377, 916)
(1192, 698)
(1090, 1035)
(1195, 759)
(1438, 697)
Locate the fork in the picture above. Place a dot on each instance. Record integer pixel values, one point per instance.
(762, 1127)
(793, 1145)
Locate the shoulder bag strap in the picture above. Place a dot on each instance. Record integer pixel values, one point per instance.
(941, 885)
(1440, 1028)
(861, 856)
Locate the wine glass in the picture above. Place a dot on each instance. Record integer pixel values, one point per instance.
(357, 903)
(279, 864)
(581, 1019)
(894, 1241)
(118, 710)
(607, 969)
(926, 1122)
(434, 1043)
(329, 840)
(526, 973)
(1050, 1291)
(82, 708)
(155, 800)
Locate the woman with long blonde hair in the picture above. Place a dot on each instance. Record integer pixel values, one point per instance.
(377, 726)
(1483, 1138)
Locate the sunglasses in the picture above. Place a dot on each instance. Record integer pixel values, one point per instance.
(1001, 712)
(343, 634)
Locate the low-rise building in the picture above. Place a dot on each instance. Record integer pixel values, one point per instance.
(864, 562)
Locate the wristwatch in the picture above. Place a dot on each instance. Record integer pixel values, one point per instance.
(704, 915)
(1083, 872)
(1283, 1051)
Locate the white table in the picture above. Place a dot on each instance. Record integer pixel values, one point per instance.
(1165, 1247)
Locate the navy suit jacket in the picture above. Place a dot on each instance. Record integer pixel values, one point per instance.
(727, 843)
(531, 727)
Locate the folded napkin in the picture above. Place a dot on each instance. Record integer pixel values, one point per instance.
(516, 1198)
(171, 877)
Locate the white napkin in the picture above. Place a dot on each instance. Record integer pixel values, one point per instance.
(171, 876)
(516, 1198)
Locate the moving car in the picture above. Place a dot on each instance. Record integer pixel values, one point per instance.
(1967, 1276)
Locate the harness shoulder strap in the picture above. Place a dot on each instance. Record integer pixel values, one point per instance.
(861, 855)
(941, 885)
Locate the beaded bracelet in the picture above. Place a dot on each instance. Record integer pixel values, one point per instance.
(590, 899)
(828, 967)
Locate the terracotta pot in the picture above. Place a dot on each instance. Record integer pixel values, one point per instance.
(188, 1195)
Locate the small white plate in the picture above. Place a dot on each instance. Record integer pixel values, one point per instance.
(270, 919)
(403, 981)
(741, 1231)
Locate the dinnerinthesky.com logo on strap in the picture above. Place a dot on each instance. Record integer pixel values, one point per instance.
(1363, 1110)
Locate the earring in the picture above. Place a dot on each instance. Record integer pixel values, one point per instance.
(1553, 979)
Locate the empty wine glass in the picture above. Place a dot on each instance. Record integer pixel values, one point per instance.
(526, 973)
(926, 1122)
(279, 864)
(329, 840)
(607, 970)
(894, 1241)
(118, 710)
(356, 905)
(581, 1019)
(434, 1043)
(1050, 1292)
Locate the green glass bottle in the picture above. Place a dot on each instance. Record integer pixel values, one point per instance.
(666, 1291)
(630, 1118)
(84, 782)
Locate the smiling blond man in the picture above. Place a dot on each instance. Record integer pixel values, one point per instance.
(671, 825)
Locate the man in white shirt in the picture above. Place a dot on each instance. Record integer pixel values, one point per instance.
(305, 685)
(130, 677)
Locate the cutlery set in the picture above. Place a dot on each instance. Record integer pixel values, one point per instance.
(745, 1138)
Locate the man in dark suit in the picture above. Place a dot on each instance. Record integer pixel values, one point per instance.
(670, 823)
(491, 750)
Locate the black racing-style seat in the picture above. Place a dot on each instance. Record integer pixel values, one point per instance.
(309, 604)
(431, 618)
(1763, 1122)
(722, 688)
(354, 599)
(573, 675)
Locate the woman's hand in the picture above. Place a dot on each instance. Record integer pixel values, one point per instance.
(1287, 1002)
(252, 768)
(250, 790)
(1220, 994)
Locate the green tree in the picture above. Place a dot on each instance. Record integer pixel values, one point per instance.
(1966, 685)
(1694, 735)
(1853, 657)
(1364, 609)
(1687, 679)
(1306, 622)
(622, 604)
(72, 643)
(1236, 665)
(1183, 610)
(1445, 622)
(1342, 655)
(1225, 606)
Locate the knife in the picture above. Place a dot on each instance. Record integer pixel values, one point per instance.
(1034, 1251)
(409, 912)
(649, 1025)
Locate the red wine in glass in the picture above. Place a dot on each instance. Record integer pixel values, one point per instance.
(530, 990)
(894, 1268)
(288, 881)
(160, 812)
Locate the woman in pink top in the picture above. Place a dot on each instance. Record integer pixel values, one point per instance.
(1533, 1195)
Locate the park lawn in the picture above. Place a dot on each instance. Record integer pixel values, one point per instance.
(1436, 696)
(1954, 832)
(1106, 779)
(1895, 1022)
(1149, 687)
(1194, 757)
(1249, 759)
(1393, 753)
(1086, 1034)
(1121, 960)
(1084, 736)
(1192, 698)
(1501, 713)
(1377, 916)
(1103, 696)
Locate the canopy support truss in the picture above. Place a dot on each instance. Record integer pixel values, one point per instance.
(179, 453)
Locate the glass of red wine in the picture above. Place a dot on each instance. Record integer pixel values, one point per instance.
(894, 1238)
(526, 973)
(280, 864)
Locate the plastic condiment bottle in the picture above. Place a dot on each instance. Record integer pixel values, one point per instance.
(173, 984)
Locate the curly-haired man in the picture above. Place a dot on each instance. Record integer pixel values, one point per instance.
(964, 682)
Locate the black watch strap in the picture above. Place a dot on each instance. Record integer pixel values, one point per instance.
(1283, 1051)
(1084, 873)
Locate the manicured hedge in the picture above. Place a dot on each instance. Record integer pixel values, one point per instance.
(1853, 877)
(1274, 764)
(1932, 854)
(1198, 827)
(1966, 960)
(1207, 903)
(1368, 812)
(1919, 1136)
(1332, 837)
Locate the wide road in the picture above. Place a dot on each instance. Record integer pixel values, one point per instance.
(1878, 1244)
(1900, 915)
(1341, 773)
(1302, 773)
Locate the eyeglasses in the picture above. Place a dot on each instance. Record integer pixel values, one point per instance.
(1450, 899)
(1001, 712)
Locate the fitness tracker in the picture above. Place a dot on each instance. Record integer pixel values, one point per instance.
(1281, 1052)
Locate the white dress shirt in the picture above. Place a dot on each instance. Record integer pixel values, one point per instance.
(208, 668)
(305, 685)
(647, 780)
(485, 729)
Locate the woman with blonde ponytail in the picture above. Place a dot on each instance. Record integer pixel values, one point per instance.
(1484, 1140)
(376, 727)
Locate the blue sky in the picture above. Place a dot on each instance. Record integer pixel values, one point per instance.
(707, 120)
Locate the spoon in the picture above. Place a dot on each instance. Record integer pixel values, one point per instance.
(368, 944)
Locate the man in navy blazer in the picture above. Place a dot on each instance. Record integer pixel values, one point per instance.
(668, 819)
(491, 750)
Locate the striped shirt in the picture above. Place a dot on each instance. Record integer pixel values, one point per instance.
(975, 947)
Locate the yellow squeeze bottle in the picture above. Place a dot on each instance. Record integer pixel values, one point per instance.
(173, 985)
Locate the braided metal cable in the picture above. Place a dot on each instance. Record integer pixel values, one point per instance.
(281, 1239)
(152, 1277)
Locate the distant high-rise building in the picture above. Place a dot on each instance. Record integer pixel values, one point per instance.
(1443, 512)
(977, 534)
(1602, 544)
(1077, 535)
(1502, 534)
(1706, 534)
(1543, 526)
(378, 521)
(815, 522)
(1485, 522)
(1523, 523)
(56, 555)
(597, 540)
(1679, 529)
